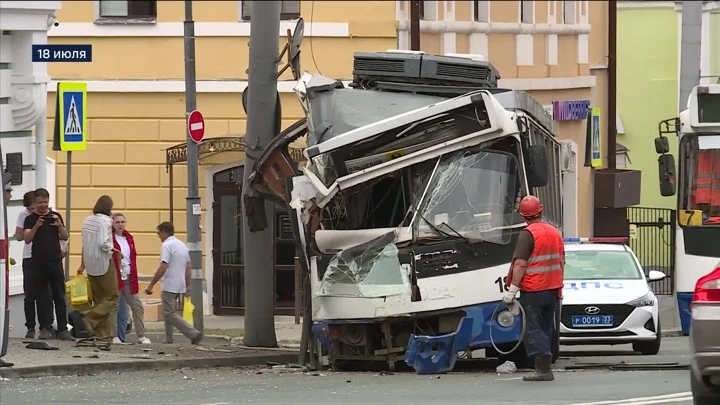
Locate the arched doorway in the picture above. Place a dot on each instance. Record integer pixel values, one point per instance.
(227, 242)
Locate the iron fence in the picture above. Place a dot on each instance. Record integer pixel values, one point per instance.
(652, 238)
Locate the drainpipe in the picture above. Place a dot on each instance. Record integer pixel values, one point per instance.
(41, 141)
(612, 85)
(414, 25)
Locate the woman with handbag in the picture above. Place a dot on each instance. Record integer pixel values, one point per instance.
(126, 263)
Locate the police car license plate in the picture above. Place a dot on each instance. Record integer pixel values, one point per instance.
(584, 321)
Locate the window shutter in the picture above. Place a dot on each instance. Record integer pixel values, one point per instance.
(113, 8)
(291, 7)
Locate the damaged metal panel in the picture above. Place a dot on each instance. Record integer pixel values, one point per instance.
(477, 118)
(516, 100)
(411, 117)
(272, 176)
(338, 111)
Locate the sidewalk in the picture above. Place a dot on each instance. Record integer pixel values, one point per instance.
(233, 327)
(226, 350)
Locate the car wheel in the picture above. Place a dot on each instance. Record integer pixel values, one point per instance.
(650, 348)
(703, 395)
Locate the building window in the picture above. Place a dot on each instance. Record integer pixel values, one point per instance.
(527, 12)
(481, 11)
(568, 12)
(428, 10)
(128, 9)
(290, 10)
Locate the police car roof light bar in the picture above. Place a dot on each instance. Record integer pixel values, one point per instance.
(619, 239)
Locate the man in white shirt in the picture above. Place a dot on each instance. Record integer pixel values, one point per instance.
(97, 252)
(174, 271)
(30, 295)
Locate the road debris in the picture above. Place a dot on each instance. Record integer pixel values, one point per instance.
(506, 368)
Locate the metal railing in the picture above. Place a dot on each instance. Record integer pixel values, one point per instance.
(652, 238)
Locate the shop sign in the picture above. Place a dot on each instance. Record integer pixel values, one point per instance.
(570, 110)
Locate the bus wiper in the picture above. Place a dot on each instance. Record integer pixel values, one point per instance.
(466, 241)
(461, 236)
(444, 235)
(432, 227)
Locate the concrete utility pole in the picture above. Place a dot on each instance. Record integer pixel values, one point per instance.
(690, 50)
(261, 107)
(192, 206)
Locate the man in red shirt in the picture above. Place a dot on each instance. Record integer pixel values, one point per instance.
(537, 273)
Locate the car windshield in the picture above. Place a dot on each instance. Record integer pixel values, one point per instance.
(600, 265)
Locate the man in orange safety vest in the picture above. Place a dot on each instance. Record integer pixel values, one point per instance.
(537, 272)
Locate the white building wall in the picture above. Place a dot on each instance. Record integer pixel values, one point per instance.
(23, 114)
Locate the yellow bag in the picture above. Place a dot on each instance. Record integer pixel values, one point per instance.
(78, 289)
(188, 308)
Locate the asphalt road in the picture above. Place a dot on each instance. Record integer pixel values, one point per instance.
(235, 386)
(289, 386)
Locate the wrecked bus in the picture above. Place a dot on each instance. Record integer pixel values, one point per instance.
(405, 206)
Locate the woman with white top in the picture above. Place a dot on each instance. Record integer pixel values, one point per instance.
(127, 281)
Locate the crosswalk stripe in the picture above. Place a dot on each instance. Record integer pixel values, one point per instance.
(659, 399)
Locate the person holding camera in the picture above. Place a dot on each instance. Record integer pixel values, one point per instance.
(45, 229)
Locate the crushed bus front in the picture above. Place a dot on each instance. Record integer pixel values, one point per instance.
(405, 210)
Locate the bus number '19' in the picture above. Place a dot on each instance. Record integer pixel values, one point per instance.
(500, 281)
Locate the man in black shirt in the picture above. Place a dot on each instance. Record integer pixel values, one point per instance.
(45, 229)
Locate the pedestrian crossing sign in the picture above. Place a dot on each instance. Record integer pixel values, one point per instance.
(71, 117)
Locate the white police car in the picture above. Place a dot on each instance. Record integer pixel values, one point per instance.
(607, 299)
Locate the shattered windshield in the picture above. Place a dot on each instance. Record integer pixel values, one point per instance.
(473, 193)
(368, 270)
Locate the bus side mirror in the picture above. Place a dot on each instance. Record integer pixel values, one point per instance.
(662, 145)
(537, 166)
(666, 168)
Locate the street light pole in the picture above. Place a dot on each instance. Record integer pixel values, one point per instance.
(261, 129)
(193, 195)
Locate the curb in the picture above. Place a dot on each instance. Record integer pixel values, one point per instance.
(141, 365)
(159, 337)
(671, 333)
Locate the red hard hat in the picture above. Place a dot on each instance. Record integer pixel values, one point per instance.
(530, 206)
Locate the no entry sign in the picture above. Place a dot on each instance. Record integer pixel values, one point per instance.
(196, 126)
